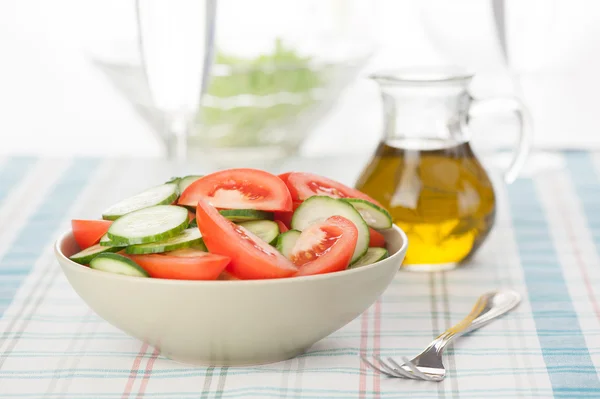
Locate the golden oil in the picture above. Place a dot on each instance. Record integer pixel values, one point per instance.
(438, 193)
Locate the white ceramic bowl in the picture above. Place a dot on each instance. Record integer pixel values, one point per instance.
(232, 322)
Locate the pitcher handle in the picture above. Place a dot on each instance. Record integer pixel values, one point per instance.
(525, 142)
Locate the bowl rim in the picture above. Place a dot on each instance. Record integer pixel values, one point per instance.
(64, 260)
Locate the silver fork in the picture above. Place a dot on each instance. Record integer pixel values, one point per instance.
(428, 364)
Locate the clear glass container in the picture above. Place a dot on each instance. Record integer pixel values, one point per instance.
(425, 172)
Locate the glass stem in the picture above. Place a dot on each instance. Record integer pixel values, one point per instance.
(178, 128)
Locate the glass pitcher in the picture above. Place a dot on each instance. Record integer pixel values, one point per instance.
(424, 170)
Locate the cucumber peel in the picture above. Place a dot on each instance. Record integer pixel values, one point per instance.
(159, 195)
(147, 225)
(375, 216)
(243, 215)
(84, 257)
(185, 239)
(373, 254)
(107, 242)
(286, 241)
(266, 230)
(117, 264)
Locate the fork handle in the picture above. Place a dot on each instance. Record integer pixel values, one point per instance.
(488, 307)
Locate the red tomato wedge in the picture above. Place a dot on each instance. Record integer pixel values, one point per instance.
(304, 185)
(325, 247)
(89, 232)
(284, 176)
(183, 264)
(282, 227)
(251, 257)
(239, 189)
(376, 239)
(285, 218)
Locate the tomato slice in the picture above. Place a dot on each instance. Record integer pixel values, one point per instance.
(284, 176)
(304, 185)
(376, 239)
(251, 257)
(89, 232)
(325, 247)
(239, 189)
(183, 264)
(282, 227)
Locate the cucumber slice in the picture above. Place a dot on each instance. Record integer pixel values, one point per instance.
(375, 216)
(318, 208)
(266, 230)
(286, 241)
(185, 239)
(117, 264)
(107, 242)
(371, 256)
(185, 182)
(173, 180)
(147, 225)
(243, 215)
(159, 195)
(200, 246)
(84, 257)
(193, 223)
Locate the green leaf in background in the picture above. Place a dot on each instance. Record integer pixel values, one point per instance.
(243, 123)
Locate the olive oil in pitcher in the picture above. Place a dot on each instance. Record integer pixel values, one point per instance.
(425, 171)
(438, 193)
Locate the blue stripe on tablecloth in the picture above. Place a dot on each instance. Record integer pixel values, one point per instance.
(40, 228)
(105, 373)
(305, 393)
(587, 186)
(12, 173)
(273, 392)
(525, 205)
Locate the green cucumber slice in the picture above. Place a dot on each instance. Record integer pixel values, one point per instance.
(375, 216)
(200, 246)
(159, 195)
(193, 223)
(372, 255)
(319, 208)
(117, 264)
(243, 215)
(266, 230)
(185, 239)
(173, 180)
(107, 242)
(84, 257)
(147, 225)
(286, 241)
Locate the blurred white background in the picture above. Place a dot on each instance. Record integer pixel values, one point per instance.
(54, 101)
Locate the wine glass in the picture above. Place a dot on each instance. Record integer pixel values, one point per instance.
(176, 41)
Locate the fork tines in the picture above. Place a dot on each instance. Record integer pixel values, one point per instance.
(398, 371)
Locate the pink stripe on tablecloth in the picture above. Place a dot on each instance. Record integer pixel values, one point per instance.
(579, 258)
(376, 345)
(362, 382)
(146, 377)
(135, 368)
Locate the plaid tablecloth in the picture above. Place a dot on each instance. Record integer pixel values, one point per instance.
(546, 245)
